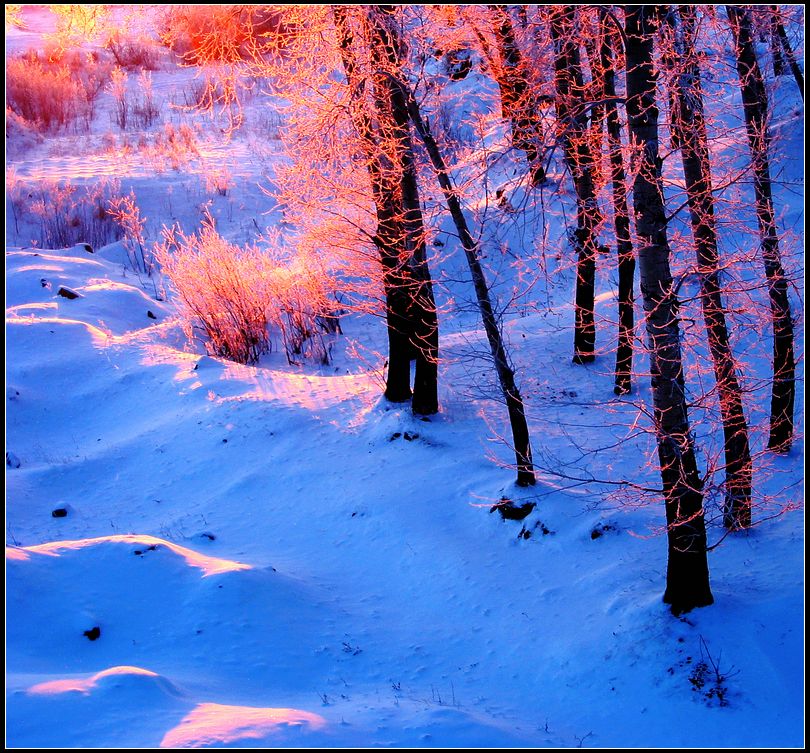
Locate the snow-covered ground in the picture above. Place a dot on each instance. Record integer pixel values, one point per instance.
(200, 553)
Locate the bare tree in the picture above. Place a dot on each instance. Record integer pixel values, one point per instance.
(780, 45)
(687, 565)
(518, 104)
(505, 372)
(606, 90)
(690, 127)
(755, 107)
(382, 125)
(572, 117)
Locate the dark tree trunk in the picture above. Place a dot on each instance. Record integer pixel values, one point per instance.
(410, 311)
(621, 215)
(516, 101)
(573, 124)
(687, 565)
(781, 35)
(777, 55)
(688, 121)
(424, 330)
(755, 106)
(506, 375)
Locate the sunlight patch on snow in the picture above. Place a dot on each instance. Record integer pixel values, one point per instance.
(308, 391)
(99, 336)
(209, 565)
(156, 354)
(55, 687)
(16, 554)
(18, 311)
(213, 723)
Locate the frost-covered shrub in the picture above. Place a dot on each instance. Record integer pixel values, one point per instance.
(50, 94)
(118, 89)
(133, 53)
(127, 215)
(68, 214)
(146, 109)
(219, 33)
(222, 289)
(241, 296)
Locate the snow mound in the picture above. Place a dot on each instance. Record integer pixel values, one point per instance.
(141, 546)
(216, 724)
(131, 679)
(72, 285)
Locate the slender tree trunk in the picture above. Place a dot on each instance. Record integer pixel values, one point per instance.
(688, 121)
(506, 375)
(621, 215)
(572, 120)
(687, 565)
(516, 99)
(385, 139)
(755, 106)
(422, 307)
(781, 35)
(777, 55)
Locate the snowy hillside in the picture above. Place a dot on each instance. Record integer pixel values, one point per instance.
(202, 553)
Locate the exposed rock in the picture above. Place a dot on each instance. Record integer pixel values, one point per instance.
(94, 633)
(59, 512)
(67, 293)
(510, 511)
(12, 461)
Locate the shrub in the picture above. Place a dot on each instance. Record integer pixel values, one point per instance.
(126, 214)
(222, 289)
(118, 89)
(239, 296)
(220, 33)
(133, 54)
(69, 214)
(51, 94)
(146, 110)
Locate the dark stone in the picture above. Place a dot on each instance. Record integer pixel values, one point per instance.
(151, 315)
(67, 293)
(87, 247)
(395, 435)
(94, 633)
(510, 511)
(59, 512)
(601, 529)
(410, 436)
(12, 461)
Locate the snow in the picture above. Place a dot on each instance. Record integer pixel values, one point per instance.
(276, 556)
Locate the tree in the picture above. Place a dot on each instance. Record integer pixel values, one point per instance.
(383, 128)
(781, 44)
(506, 374)
(518, 104)
(572, 119)
(687, 565)
(755, 107)
(606, 91)
(689, 127)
